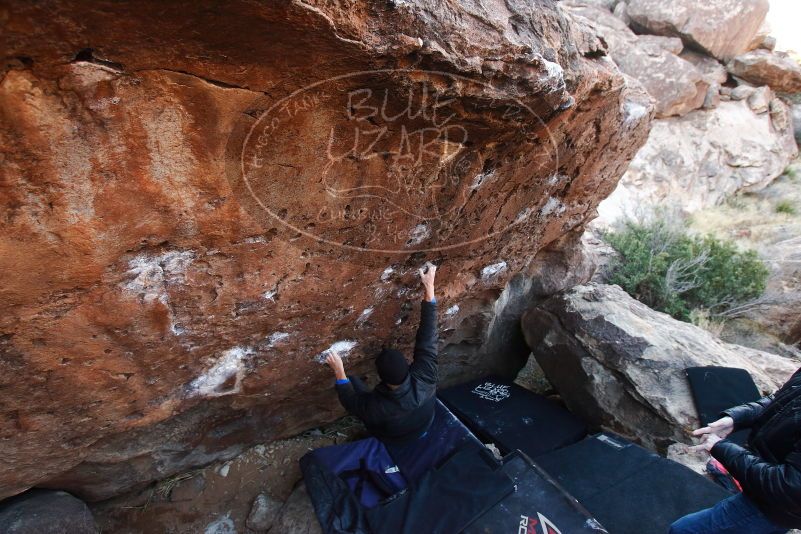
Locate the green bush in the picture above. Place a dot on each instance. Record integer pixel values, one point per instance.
(785, 206)
(672, 271)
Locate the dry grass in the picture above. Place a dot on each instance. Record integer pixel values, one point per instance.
(165, 487)
(753, 220)
(767, 221)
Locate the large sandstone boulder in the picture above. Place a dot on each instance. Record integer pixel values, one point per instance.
(721, 28)
(676, 85)
(700, 159)
(46, 512)
(763, 67)
(619, 364)
(199, 201)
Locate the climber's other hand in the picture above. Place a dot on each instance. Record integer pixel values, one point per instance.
(708, 441)
(721, 428)
(334, 361)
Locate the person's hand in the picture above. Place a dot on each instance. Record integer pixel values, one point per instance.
(708, 441)
(335, 363)
(721, 428)
(427, 274)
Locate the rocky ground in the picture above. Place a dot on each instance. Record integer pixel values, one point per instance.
(768, 221)
(257, 491)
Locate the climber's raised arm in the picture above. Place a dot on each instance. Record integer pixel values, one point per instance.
(424, 367)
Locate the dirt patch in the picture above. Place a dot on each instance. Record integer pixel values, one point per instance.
(218, 498)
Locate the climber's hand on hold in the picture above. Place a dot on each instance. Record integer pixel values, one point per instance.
(721, 428)
(708, 441)
(335, 363)
(427, 274)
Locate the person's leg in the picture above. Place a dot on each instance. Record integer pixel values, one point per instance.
(734, 515)
(358, 384)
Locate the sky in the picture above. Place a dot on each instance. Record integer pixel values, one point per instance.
(784, 19)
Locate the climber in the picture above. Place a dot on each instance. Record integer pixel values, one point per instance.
(769, 469)
(401, 408)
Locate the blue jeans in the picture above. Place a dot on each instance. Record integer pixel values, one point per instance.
(734, 515)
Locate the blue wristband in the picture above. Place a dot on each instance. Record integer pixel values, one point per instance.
(342, 381)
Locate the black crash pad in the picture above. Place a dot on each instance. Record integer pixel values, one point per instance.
(629, 489)
(715, 389)
(353, 482)
(446, 499)
(538, 505)
(514, 418)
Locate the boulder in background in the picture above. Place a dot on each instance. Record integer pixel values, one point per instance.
(763, 67)
(721, 28)
(675, 84)
(619, 364)
(698, 160)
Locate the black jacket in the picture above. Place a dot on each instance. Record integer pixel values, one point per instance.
(405, 413)
(769, 470)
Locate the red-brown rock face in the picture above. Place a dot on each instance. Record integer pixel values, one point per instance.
(198, 200)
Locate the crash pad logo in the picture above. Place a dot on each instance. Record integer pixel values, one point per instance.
(540, 525)
(492, 392)
(384, 160)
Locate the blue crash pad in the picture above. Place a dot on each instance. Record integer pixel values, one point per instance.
(374, 471)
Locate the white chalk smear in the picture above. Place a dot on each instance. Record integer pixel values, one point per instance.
(150, 274)
(270, 295)
(633, 111)
(419, 233)
(554, 70)
(481, 179)
(364, 315)
(452, 310)
(523, 215)
(491, 270)
(230, 364)
(386, 274)
(340, 347)
(553, 205)
(224, 469)
(276, 337)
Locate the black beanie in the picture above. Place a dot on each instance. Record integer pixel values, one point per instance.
(392, 367)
